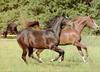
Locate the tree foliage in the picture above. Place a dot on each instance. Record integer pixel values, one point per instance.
(43, 9)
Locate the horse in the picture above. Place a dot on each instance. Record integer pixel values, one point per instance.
(72, 36)
(12, 28)
(30, 39)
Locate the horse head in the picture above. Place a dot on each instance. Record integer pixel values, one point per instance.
(91, 23)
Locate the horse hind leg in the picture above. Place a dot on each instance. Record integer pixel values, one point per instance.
(81, 52)
(30, 54)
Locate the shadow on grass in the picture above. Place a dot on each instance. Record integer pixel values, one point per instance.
(8, 37)
(55, 63)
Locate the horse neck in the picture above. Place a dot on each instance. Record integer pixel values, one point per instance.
(57, 28)
(79, 25)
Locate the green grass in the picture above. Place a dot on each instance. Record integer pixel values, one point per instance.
(10, 58)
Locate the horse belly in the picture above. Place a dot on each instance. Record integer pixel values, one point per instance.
(68, 38)
(40, 45)
(64, 39)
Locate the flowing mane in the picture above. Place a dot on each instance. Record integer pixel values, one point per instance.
(51, 22)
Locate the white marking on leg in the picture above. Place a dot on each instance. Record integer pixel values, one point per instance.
(40, 59)
(60, 59)
(84, 60)
(52, 60)
(95, 24)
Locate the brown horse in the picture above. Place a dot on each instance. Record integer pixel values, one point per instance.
(72, 36)
(30, 39)
(12, 28)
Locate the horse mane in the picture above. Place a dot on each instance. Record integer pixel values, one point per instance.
(76, 18)
(79, 17)
(51, 21)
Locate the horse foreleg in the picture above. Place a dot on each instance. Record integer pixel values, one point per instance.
(79, 47)
(61, 54)
(80, 52)
(24, 49)
(38, 52)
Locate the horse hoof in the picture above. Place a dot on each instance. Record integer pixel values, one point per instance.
(51, 60)
(84, 60)
(60, 61)
(26, 62)
(40, 60)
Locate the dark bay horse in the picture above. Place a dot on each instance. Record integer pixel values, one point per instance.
(72, 36)
(29, 39)
(12, 28)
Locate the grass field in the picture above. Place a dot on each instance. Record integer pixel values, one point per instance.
(10, 58)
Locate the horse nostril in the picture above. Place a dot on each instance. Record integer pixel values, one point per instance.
(97, 28)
